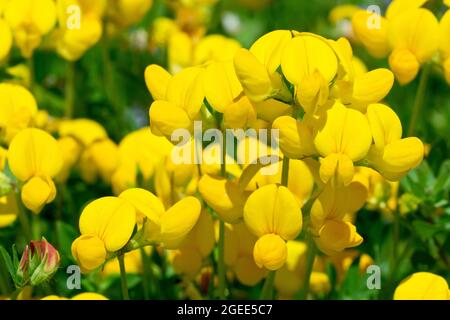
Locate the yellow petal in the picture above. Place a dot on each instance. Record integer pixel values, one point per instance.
(422, 286)
(147, 205)
(373, 86)
(304, 55)
(247, 272)
(221, 85)
(85, 131)
(89, 296)
(185, 90)
(385, 125)
(312, 91)
(444, 28)
(240, 114)
(404, 64)
(179, 220)
(336, 165)
(38, 192)
(157, 79)
(399, 7)
(223, 196)
(371, 30)
(110, 219)
(271, 109)
(89, 251)
(270, 252)
(253, 75)
(268, 49)
(6, 36)
(345, 131)
(165, 118)
(34, 152)
(397, 158)
(295, 138)
(336, 236)
(17, 109)
(273, 209)
(416, 30)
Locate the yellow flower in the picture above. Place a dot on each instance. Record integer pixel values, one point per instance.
(6, 36)
(391, 155)
(238, 252)
(106, 226)
(221, 85)
(336, 235)
(215, 47)
(85, 131)
(89, 296)
(157, 80)
(30, 20)
(37, 192)
(295, 137)
(16, 111)
(139, 152)
(184, 98)
(422, 286)
(289, 279)
(310, 64)
(35, 158)
(257, 68)
(372, 31)
(80, 296)
(100, 158)
(133, 263)
(197, 245)
(70, 150)
(169, 227)
(125, 13)
(412, 46)
(224, 197)
(273, 214)
(343, 137)
(73, 42)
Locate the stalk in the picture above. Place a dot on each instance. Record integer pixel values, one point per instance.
(420, 96)
(123, 277)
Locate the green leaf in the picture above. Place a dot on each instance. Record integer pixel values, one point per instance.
(8, 262)
(443, 178)
(424, 229)
(15, 259)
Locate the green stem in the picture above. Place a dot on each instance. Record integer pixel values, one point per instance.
(395, 242)
(420, 96)
(146, 278)
(70, 90)
(36, 226)
(267, 290)
(16, 293)
(123, 277)
(285, 172)
(221, 260)
(23, 218)
(311, 255)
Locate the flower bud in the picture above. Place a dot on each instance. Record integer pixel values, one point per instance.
(39, 262)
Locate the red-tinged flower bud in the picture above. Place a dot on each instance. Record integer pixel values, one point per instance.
(40, 260)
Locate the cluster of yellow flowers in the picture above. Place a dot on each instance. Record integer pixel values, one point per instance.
(336, 144)
(397, 35)
(70, 27)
